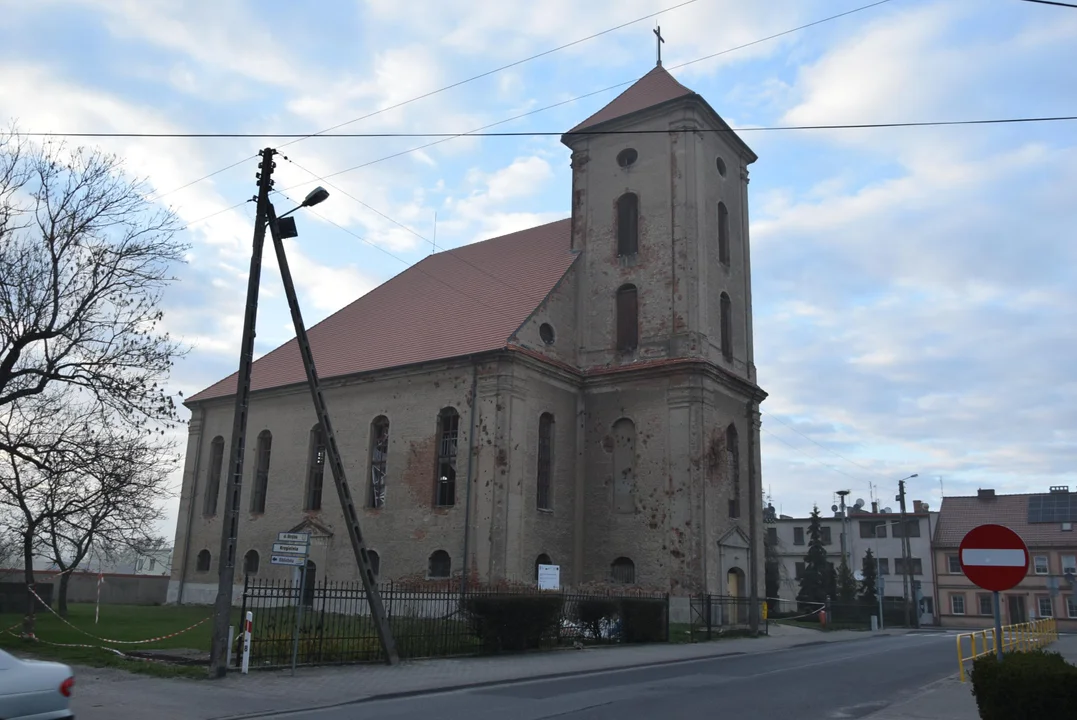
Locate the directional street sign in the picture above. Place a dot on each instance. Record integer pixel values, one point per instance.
(291, 548)
(291, 537)
(297, 560)
(994, 557)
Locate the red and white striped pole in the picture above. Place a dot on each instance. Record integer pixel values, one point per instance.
(247, 642)
(97, 609)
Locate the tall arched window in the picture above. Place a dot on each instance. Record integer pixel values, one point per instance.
(732, 455)
(448, 437)
(261, 472)
(213, 482)
(545, 461)
(723, 234)
(627, 318)
(440, 564)
(623, 570)
(250, 563)
(379, 460)
(624, 463)
(202, 563)
(315, 468)
(627, 224)
(727, 327)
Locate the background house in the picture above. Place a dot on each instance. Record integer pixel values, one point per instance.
(875, 529)
(1045, 522)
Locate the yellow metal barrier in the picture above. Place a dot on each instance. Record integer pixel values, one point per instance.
(1015, 638)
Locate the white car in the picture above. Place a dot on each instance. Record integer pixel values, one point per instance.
(34, 689)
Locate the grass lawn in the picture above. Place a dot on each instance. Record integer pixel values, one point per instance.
(117, 622)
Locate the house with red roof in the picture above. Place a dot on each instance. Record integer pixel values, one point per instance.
(1045, 521)
(580, 394)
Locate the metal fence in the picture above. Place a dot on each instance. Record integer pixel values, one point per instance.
(714, 615)
(335, 626)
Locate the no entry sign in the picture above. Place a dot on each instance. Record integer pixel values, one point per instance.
(994, 557)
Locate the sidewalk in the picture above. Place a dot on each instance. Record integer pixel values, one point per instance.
(951, 699)
(106, 693)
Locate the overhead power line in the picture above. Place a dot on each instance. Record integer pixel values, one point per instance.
(557, 133)
(1051, 2)
(457, 84)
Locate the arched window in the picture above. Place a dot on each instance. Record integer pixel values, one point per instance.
(627, 318)
(545, 461)
(542, 559)
(261, 472)
(623, 571)
(315, 468)
(213, 482)
(202, 564)
(440, 564)
(627, 224)
(448, 436)
(375, 562)
(727, 327)
(624, 462)
(732, 459)
(723, 234)
(250, 563)
(379, 459)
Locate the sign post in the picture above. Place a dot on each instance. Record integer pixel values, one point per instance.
(293, 549)
(995, 558)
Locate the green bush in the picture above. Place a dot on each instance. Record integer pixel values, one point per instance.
(513, 622)
(643, 620)
(1024, 685)
(591, 613)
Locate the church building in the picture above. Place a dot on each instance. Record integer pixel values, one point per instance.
(582, 393)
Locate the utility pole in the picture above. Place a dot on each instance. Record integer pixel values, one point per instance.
(336, 464)
(266, 216)
(226, 559)
(906, 574)
(845, 544)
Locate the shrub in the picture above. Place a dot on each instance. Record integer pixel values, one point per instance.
(513, 622)
(593, 613)
(643, 620)
(1027, 685)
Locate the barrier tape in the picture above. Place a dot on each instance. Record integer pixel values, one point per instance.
(35, 638)
(118, 642)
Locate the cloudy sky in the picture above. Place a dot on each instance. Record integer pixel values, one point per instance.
(915, 288)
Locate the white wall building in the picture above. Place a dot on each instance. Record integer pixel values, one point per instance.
(878, 531)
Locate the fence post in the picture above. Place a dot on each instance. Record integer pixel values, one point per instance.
(242, 614)
(667, 617)
(299, 616)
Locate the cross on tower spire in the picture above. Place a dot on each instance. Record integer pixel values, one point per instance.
(658, 34)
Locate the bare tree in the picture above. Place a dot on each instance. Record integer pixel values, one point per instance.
(84, 259)
(111, 502)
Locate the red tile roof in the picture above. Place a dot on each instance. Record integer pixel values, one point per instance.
(958, 515)
(454, 303)
(654, 88)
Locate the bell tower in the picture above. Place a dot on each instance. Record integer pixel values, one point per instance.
(660, 215)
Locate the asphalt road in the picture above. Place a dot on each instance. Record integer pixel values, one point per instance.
(816, 682)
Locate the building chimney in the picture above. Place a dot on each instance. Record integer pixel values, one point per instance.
(875, 507)
(986, 493)
(918, 506)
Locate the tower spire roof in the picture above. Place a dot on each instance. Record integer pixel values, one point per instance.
(654, 88)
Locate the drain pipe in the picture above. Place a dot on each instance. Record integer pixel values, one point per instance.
(191, 504)
(470, 461)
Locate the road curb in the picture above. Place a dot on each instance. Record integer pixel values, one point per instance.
(532, 678)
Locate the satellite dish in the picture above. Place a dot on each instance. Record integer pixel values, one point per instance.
(924, 505)
(834, 508)
(859, 575)
(887, 510)
(859, 503)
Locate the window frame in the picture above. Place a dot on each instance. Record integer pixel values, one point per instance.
(627, 225)
(1050, 606)
(212, 492)
(724, 252)
(316, 457)
(726, 316)
(980, 598)
(544, 462)
(378, 464)
(953, 561)
(448, 453)
(953, 604)
(263, 458)
(626, 312)
(1046, 564)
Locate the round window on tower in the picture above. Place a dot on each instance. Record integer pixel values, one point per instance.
(626, 157)
(721, 166)
(546, 333)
